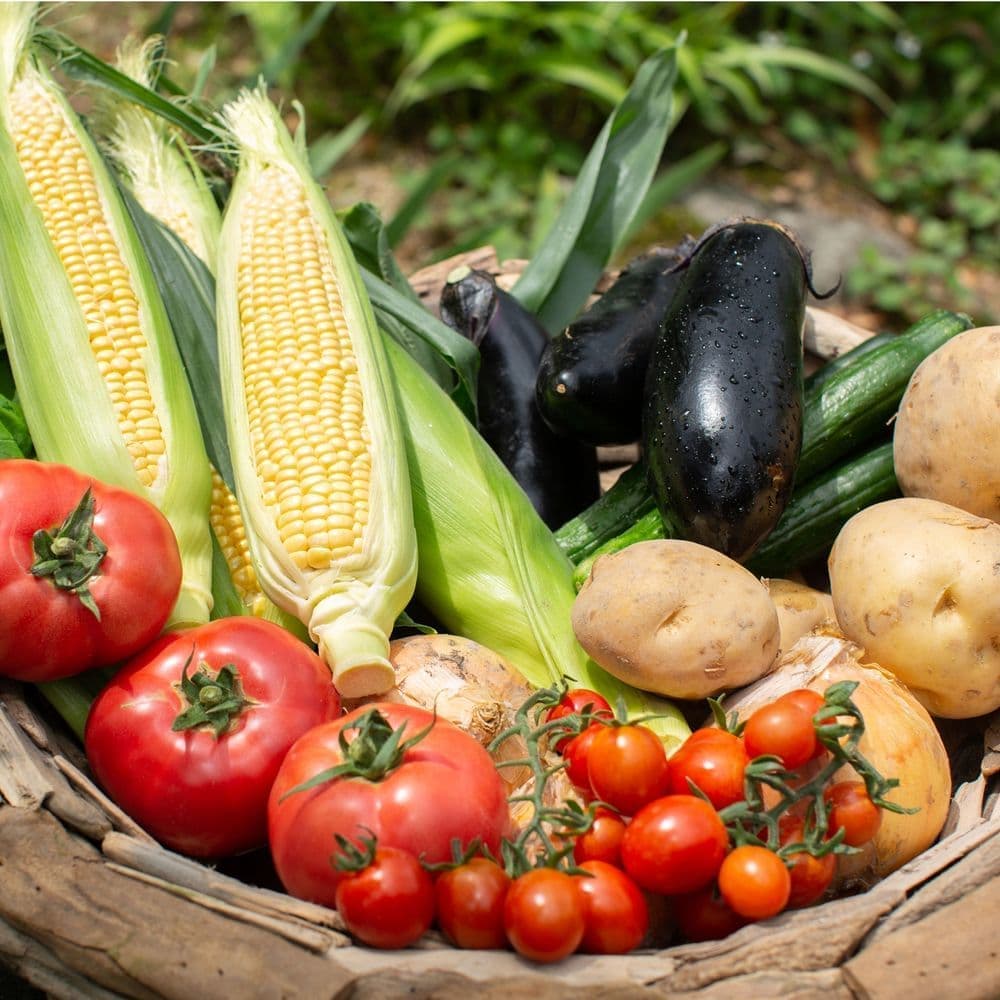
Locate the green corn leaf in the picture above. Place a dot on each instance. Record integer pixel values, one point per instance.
(188, 292)
(604, 200)
(369, 239)
(409, 323)
(82, 65)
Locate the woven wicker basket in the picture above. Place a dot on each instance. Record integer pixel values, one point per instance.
(91, 906)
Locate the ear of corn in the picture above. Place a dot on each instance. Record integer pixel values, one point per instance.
(153, 158)
(318, 459)
(490, 570)
(160, 170)
(97, 371)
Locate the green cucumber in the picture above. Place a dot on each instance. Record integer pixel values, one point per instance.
(817, 511)
(845, 412)
(822, 507)
(834, 365)
(842, 415)
(627, 501)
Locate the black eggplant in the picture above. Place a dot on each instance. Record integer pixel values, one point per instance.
(559, 475)
(722, 421)
(591, 376)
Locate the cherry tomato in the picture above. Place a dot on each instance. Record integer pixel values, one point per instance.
(576, 753)
(203, 790)
(852, 809)
(811, 876)
(714, 764)
(627, 766)
(603, 841)
(390, 902)
(808, 700)
(443, 788)
(784, 729)
(704, 915)
(674, 844)
(469, 901)
(755, 882)
(96, 585)
(543, 915)
(615, 914)
(575, 702)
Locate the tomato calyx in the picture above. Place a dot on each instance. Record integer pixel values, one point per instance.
(71, 554)
(375, 751)
(215, 702)
(351, 856)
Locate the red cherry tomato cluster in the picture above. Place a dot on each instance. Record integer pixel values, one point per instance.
(668, 824)
(544, 914)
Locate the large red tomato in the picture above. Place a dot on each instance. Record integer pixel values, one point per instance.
(441, 787)
(246, 689)
(88, 572)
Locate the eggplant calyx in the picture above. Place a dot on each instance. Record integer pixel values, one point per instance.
(215, 702)
(71, 554)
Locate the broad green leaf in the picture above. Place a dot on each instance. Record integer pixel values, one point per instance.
(607, 194)
(15, 441)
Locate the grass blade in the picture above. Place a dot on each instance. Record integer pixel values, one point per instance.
(326, 151)
(674, 181)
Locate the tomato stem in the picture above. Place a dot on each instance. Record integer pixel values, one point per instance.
(749, 822)
(71, 554)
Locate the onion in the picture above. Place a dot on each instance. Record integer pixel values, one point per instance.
(467, 684)
(900, 739)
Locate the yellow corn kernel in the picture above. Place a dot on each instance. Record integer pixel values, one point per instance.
(227, 525)
(300, 375)
(63, 186)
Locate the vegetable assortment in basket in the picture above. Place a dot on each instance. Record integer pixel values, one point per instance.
(307, 445)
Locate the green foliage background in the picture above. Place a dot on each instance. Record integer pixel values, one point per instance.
(501, 100)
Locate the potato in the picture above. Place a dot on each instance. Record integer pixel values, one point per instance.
(916, 582)
(676, 618)
(946, 442)
(800, 609)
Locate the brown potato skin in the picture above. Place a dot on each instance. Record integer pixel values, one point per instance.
(946, 440)
(916, 582)
(676, 618)
(800, 609)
